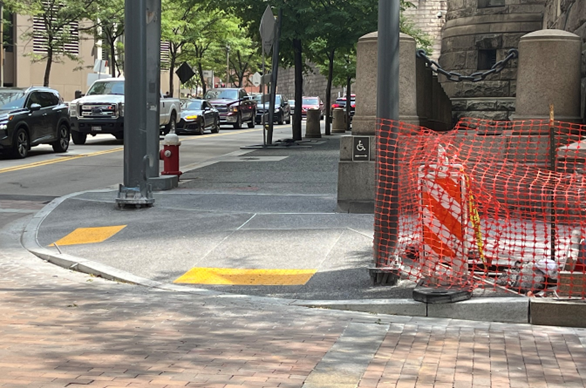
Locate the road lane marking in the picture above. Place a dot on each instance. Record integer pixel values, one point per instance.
(70, 157)
(224, 276)
(89, 235)
(58, 160)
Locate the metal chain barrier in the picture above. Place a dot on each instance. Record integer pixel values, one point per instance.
(474, 77)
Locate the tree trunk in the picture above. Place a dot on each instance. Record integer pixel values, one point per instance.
(298, 60)
(201, 78)
(113, 64)
(171, 69)
(329, 91)
(48, 67)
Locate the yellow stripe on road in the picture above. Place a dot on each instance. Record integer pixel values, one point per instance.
(89, 235)
(69, 157)
(219, 276)
(64, 158)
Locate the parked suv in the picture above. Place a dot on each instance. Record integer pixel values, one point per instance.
(235, 106)
(30, 117)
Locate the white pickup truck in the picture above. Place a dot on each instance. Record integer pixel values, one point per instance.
(101, 111)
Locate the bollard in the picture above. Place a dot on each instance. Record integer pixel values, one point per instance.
(339, 121)
(312, 124)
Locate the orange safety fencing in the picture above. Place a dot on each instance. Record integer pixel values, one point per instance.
(482, 207)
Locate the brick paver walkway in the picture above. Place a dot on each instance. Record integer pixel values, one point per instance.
(64, 329)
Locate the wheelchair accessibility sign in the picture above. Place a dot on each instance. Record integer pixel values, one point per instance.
(361, 149)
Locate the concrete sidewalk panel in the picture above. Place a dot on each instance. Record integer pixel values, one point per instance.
(499, 309)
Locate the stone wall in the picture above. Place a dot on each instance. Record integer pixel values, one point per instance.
(471, 32)
(569, 15)
(430, 16)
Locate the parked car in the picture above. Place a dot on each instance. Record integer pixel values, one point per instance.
(234, 105)
(198, 115)
(32, 116)
(341, 103)
(312, 103)
(282, 112)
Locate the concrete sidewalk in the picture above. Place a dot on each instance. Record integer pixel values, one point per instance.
(62, 328)
(268, 213)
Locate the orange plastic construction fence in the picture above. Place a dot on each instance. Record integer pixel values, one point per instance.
(488, 206)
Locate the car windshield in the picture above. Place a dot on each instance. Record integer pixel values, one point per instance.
(12, 99)
(310, 102)
(107, 88)
(192, 105)
(221, 94)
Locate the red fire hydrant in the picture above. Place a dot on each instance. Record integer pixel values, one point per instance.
(170, 155)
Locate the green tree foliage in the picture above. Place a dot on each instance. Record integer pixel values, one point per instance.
(297, 29)
(108, 27)
(57, 18)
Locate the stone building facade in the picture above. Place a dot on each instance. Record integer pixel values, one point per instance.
(477, 34)
(430, 16)
(569, 15)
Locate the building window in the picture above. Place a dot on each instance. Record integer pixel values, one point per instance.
(486, 59)
(165, 57)
(65, 37)
(490, 3)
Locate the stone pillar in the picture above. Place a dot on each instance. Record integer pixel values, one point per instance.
(549, 73)
(339, 120)
(312, 124)
(364, 121)
(356, 179)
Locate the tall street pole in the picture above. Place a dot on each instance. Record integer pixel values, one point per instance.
(387, 189)
(135, 190)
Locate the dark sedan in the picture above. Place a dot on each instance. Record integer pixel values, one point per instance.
(198, 116)
(30, 117)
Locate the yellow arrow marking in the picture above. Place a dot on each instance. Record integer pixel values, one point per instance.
(89, 235)
(219, 276)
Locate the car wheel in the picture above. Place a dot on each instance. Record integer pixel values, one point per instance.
(172, 126)
(119, 135)
(62, 143)
(281, 118)
(216, 127)
(238, 123)
(251, 123)
(20, 145)
(78, 138)
(201, 128)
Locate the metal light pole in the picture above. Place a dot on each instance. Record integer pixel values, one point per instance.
(135, 190)
(385, 234)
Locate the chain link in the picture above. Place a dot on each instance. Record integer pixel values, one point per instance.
(474, 77)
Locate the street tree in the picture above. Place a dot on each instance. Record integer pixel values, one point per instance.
(296, 30)
(211, 34)
(179, 21)
(56, 27)
(108, 27)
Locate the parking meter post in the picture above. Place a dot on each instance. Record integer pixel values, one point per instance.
(274, 73)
